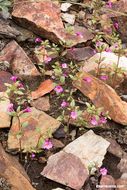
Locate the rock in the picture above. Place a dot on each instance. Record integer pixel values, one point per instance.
(59, 133)
(115, 148)
(40, 55)
(7, 31)
(34, 124)
(109, 59)
(5, 119)
(44, 88)
(122, 166)
(41, 103)
(19, 62)
(80, 35)
(57, 143)
(122, 182)
(4, 78)
(70, 166)
(107, 182)
(97, 90)
(69, 18)
(80, 54)
(92, 151)
(43, 18)
(65, 6)
(67, 169)
(11, 170)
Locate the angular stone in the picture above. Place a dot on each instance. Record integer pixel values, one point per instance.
(4, 78)
(109, 59)
(58, 189)
(7, 31)
(69, 18)
(115, 148)
(34, 124)
(41, 103)
(57, 143)
(122, 166)
(44, 88)
(5, 119)
(80, 54)
(90, 148)
(122, 182)
(97, 90)
(65, 6)
(13, 172)
(70, 166)
(43, 18)
(107, 182)
(67, 169)
(20, 64)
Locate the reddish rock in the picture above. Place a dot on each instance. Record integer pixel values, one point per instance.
(115, 148)
(80, 54)
(107, 182)
(44, 88)
(41, 103)
(122, 166)
(121, 183)
(66, 169)
(34, 124)
(97, 90)
(4, 78)
(13, 172)
(19, 62)
(57, 143)
(43, 18)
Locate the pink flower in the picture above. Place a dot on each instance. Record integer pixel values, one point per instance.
(38, 40)
(64, 65)
(10, 108)
(116, 25)
(79, 34)
(14, 78)
(87, 79)
(26, 110)
(32, 155)
(104, 77)
(93, 121)
(64, 104)
(103, 171)
(74, 115)
(102, 120)
(47, 144)
(109, 4)
(58, 89)
(47, 59)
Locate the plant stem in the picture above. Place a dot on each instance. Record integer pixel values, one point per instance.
(115, 75)
(99, 62)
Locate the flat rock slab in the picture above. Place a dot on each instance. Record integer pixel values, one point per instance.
(44, 88)
(36, 123)
(12, 171)
(41, 103)
(90, 148)
(42, 17)
(70, 166)
(20, 63)
(67, 169)
(4, 78)
(109, 60)
(5, 119)
(107, 182)
(96, 91)
(80, 54)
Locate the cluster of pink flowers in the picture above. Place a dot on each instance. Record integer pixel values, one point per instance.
(26, 110)
(64, 104)
(10, 108)
(64, 65)
(38, 40)
(74, 115)
(109, 4)
(103, 171)
(79, 34)
(14, 78)
(58, 89)
(47, 144)
(47, 59)
(104, 77)
(96, 122)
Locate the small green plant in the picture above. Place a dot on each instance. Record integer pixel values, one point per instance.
(5, 5)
